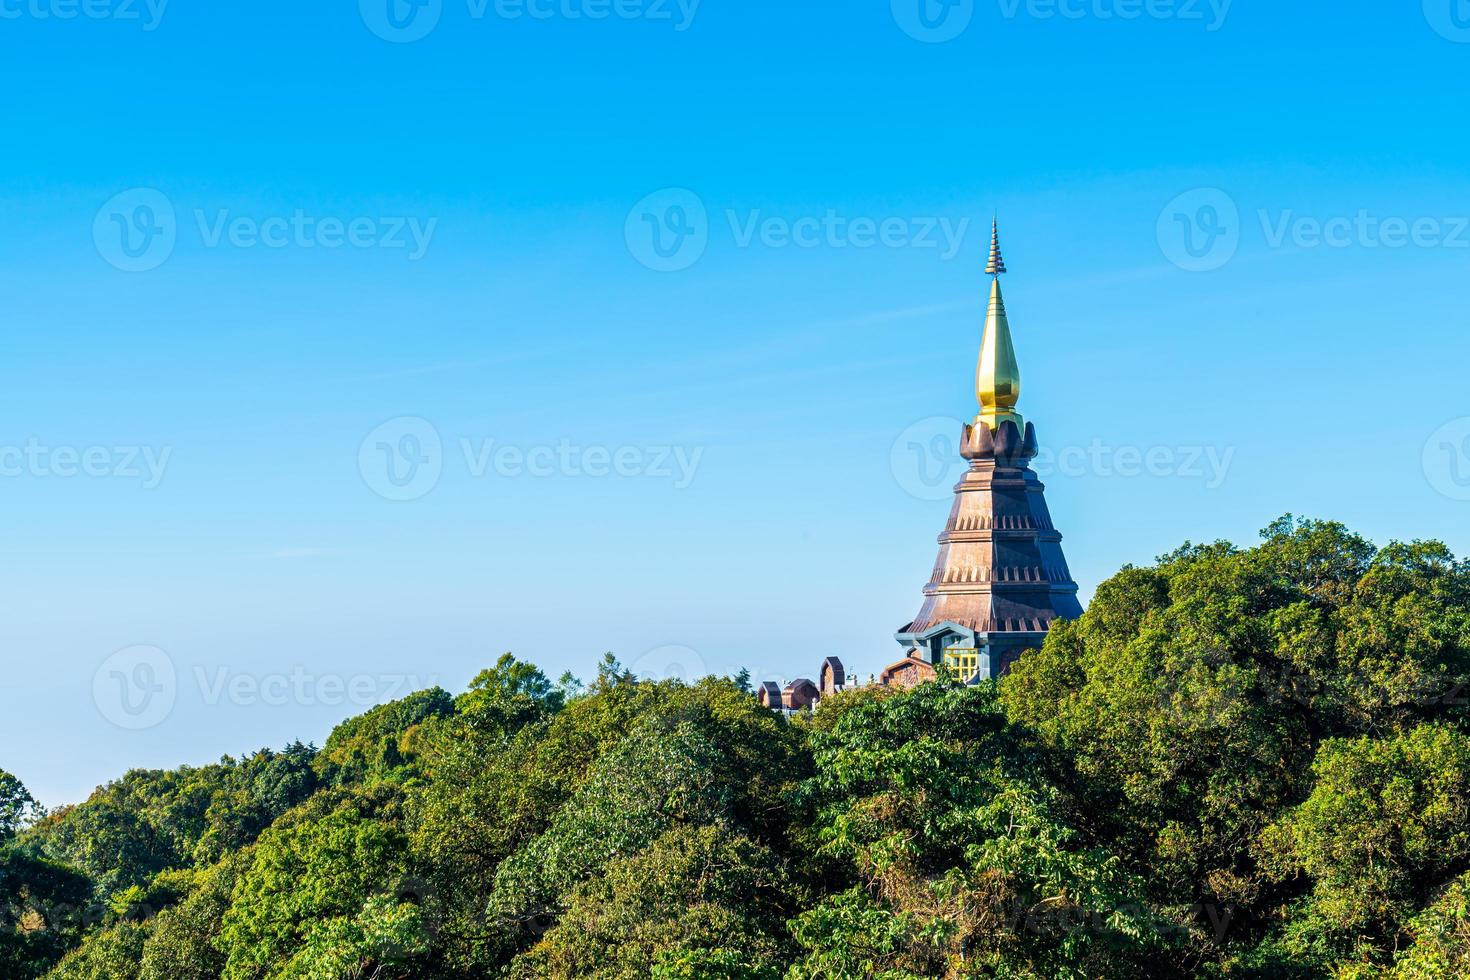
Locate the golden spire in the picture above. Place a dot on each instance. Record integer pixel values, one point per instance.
(998, 376)
(996, 265)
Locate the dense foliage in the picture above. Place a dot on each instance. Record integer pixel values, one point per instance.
(1245, 763)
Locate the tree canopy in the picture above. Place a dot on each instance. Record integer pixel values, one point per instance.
(1239, 763)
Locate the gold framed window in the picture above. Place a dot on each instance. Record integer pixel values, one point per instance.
(964, 661)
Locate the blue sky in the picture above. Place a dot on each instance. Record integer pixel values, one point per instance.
(348, 249)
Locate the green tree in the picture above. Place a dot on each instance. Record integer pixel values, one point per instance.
(653, 782)
(957, 861)
(1189, 700)
(1440, 945)
(700, 901)
(184, 940)
(382, 743)
(45, 909)
(1238, 764)
(509, 696)
(332, 878)
(1387, 821)
(149, 822)
(109, 954)
(16, 806)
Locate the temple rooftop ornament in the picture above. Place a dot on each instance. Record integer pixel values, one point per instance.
(996, 265)
(997, 375)
(1000, 579)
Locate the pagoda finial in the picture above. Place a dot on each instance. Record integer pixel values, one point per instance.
(996, 265)
(998, 376)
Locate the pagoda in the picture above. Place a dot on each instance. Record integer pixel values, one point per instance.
(1000, 579)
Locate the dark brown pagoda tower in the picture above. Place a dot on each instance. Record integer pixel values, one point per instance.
(1001, 578)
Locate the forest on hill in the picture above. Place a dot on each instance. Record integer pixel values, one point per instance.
(1239, 763)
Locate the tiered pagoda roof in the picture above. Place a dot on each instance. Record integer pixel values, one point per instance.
(1000, 575)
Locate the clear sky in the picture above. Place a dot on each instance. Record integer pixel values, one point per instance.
(348, 346)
